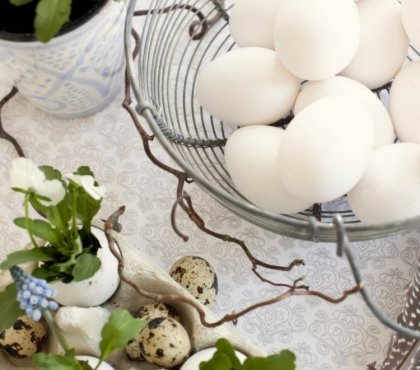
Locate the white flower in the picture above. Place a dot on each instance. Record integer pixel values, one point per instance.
(27, 176)
(88, 184)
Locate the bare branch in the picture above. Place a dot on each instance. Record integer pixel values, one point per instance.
(3, 134)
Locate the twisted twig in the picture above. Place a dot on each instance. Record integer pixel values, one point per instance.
(3, 134)
(294, 290)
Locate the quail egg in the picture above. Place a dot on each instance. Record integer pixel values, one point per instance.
(149, 312)
(24, 338)
(197, 276)
(164, 342)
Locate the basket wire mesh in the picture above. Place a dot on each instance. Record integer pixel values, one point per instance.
(171, 56)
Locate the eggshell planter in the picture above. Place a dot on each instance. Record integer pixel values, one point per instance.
(97, 289)
(142, 271)
(76, 73)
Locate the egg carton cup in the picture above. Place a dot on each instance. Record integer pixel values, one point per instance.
(142, 271)
(177, 40)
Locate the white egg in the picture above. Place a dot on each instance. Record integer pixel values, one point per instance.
(251, 160)
(390, 188)
(383, 43)
(193, 363)
(404, 103)
(247, 86)
(410, 15)
(345, 87)
(251, 22)
(93, 362)
(316, 39)
(326, 149)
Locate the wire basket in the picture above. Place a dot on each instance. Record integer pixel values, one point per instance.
(177, 40)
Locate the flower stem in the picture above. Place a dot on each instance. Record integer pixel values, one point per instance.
(28, 224)
(54, 328)
(74, 214)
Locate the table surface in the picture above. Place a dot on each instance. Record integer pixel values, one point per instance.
(324, 336)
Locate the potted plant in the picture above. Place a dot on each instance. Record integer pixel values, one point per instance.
(75, 256)
(65, 56)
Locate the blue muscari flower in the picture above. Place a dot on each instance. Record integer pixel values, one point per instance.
(33, 294)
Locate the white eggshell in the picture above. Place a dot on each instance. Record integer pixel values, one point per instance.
(390, 188)
(251, 160)
(247, 86)
(326, 149)
(410, 15)
(383, 43)
(404, 103)
(193, 362)
(97, 289)
(93, 361)
(316, 39)
(251, 22)
(345, 87)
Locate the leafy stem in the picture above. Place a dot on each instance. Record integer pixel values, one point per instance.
(74, 213)
(27, 219)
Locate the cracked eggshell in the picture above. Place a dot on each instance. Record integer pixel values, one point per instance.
(149, 312)
(197, 276)
(404, 103)
(164, 342)
(251, 22)
(193, 363)
(390, 188)
(410, 15)
(346, 87)
(316, 39)
(251, 160)
(383, 43)
(326, 149)
(247, 86)
(24, 338)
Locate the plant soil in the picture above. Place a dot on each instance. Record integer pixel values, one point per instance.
(20, 19)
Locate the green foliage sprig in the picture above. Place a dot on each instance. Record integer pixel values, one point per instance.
(50, 16)
(225, 359)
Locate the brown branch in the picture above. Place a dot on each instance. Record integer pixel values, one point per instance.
(294, 290)
(3, 134)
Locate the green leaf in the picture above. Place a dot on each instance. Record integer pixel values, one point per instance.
(51, 173)
(225, 347)
(86, 266)
(20, 2)
(285, 360)
(23, 256)
(118, 331)
(50, 16)
(9, 307)
(84, 171)
(87, 208)
(40, 228)
(59, 362)
(219, 361)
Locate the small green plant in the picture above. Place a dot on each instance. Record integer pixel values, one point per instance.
(50, 16)
(67, 205)
(225, 359)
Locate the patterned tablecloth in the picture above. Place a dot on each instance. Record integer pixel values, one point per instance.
(324, 336)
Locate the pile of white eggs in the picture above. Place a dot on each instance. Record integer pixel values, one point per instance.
(341, 139)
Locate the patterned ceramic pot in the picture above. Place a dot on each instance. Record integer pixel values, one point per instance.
(78, 72)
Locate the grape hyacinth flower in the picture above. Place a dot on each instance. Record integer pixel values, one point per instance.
(33, 294)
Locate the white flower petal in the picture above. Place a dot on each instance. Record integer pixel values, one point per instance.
(75, 178)
(25, 175)
(96, 192)
(52, 189)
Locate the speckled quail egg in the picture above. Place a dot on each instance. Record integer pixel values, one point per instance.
(24, 338)
(197, 276)
(164, 342)
(149, 312)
